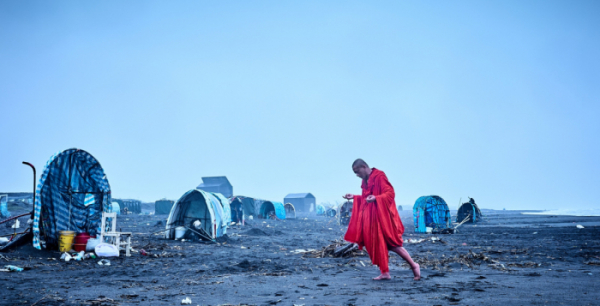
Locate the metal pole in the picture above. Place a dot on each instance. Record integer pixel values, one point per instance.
(34, 176)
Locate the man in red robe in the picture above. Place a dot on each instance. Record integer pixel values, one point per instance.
(375, 224)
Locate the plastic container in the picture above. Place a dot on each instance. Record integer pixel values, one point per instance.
(180, 232)
(107, 250)
(65, 240)
(91, 244)
(82, 238)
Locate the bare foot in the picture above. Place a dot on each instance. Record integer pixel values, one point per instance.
(383, 276)
(416, 271)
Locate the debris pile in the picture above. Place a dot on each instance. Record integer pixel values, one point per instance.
(338, 248)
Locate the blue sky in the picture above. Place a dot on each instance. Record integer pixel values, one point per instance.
(495, 100)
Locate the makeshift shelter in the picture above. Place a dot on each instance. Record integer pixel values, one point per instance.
(267, 208)
(290, 211)
(163, 206)
(241, 207)
(197, 205)
(4, 213)
(345, 212)
(115, 207)
(431, 211)
(330, 212)
(303, 202)
(225, 205)
(469, 209)
(72, 193)
(320, 210)
(218, 184)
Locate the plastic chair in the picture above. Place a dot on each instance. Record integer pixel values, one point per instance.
(113, 235)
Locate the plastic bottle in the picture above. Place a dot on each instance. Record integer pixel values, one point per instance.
(79, 256)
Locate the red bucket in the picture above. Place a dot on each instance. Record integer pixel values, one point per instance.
(81, 241)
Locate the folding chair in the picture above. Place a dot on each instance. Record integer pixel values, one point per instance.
(113, 235)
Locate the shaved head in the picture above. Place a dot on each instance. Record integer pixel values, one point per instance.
(359, 163)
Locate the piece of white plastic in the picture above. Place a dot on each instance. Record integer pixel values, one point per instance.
(106, 250)
(91, 244)
(580, 226)
(186, 301)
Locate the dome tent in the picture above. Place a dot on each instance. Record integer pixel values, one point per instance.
(290, 211)
(197, 205)
(72, 193)
(345, 212)
(268, 207)
(320, 210)
(242, 207)
(430, 211)
(469, 209)
(115, 207)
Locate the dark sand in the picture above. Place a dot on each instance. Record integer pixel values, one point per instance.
(513, 259)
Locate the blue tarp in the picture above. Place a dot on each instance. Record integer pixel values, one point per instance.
(225, 204)
(430, 211)
(268, 206)
(4, 213)
(72, 194)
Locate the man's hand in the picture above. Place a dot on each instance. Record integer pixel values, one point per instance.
(371, 199)
(348, 196)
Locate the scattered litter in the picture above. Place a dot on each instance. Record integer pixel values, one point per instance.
(362, 263)
(301, 251)
(143, 252)
(12, 268)
(17, 224)
(534, 233)
(590, 274)
(339, 248)
(580, 226)
(464, 243)
(104, 262)
(66, 257)
(3, 241)
(186, 301)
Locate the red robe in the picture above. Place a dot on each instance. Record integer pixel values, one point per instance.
(376, 226)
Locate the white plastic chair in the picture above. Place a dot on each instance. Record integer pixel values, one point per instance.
(113, 235)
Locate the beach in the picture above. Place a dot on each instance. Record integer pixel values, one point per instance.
(510, 258)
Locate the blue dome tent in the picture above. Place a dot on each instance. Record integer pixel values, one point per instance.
(197, 205)
(431, 211)
(115, 207)
(72, 193)
(320, 210)
(268, 207)
(469, 210)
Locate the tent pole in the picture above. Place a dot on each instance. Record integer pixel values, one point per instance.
(34, 176)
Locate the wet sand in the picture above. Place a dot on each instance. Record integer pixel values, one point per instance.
(510, 259)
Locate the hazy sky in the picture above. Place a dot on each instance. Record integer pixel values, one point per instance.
(497, 100)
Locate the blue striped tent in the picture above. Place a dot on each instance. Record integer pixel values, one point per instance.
(431, 211)
(72, 193)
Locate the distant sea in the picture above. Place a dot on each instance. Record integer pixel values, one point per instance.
(568, 212)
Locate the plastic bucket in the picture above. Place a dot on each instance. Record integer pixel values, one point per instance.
(65, 240)
(179, 232)
(78, 247)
